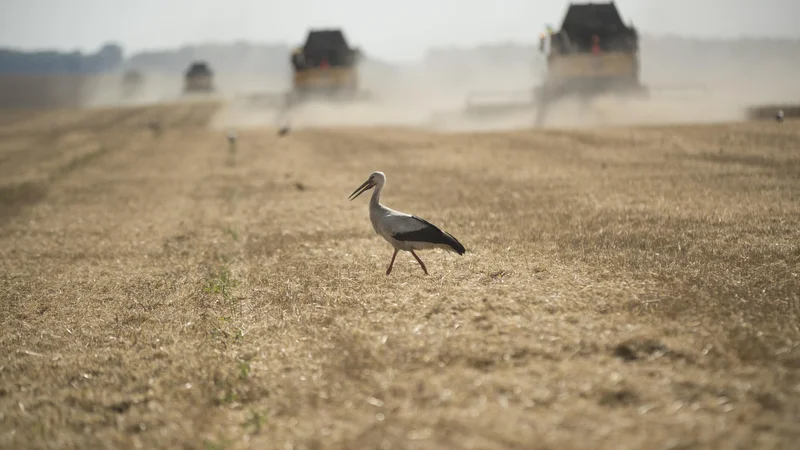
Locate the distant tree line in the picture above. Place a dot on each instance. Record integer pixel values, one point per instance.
(15, 62)
(239, 57)
(236, 57)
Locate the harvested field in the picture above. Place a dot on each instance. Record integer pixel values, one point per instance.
(623, 288)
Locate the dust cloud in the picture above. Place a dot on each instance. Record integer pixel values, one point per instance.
(433, 92)
(689, 82)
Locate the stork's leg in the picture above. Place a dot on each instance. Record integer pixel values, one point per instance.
(389, 270)
(422, 264)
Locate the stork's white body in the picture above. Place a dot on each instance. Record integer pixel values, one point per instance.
(404, 231)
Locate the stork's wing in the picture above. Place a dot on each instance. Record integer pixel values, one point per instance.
(397, 224)
(407, 228)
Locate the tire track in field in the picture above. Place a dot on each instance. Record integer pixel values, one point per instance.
(111, 134)
(45, 146)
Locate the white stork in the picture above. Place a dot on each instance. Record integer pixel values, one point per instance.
(403, 231)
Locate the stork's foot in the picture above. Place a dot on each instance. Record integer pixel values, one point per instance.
(421, 264)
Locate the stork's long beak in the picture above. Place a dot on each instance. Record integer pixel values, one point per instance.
(364, 187)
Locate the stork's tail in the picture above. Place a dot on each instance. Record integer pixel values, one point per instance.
(433, 236)
(453, 243)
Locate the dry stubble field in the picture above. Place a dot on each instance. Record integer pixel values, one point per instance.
(623, 288)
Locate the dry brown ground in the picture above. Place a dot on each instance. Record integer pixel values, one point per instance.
(624, 288)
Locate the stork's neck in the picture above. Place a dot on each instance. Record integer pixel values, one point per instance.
(375, 201)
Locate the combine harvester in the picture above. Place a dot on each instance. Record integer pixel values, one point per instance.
(198, 79)
(324, 69)
(594, 53)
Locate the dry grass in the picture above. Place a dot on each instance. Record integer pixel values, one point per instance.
(626, 288)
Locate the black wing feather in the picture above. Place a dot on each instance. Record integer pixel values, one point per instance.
(430, 233)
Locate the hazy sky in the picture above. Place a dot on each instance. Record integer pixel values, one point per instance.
(392, 30)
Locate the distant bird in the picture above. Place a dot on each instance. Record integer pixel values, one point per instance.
(403, 231)
(154, 126)
(283, 131)
(779, 116)
(232, 136)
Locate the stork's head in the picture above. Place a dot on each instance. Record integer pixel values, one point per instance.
(375, 179)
